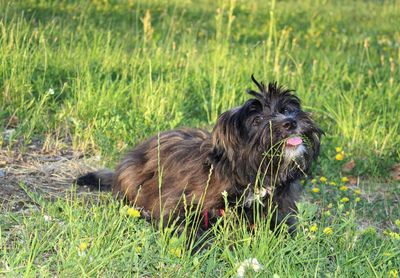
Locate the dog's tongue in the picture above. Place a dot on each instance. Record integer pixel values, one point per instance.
(294, 141)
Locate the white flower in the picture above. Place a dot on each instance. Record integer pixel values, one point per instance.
(50, 91)
(241, 270)
(47, 218)
(255, 265)
(248, 263)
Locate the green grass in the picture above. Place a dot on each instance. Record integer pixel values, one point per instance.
(76, 237)
(104, 75)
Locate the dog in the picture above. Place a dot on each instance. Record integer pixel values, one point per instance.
(256, 152)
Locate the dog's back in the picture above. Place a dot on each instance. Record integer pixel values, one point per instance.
(173, 165)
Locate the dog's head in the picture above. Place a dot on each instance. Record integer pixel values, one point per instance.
(269, 132)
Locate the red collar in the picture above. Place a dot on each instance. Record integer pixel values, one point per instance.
(206, 214)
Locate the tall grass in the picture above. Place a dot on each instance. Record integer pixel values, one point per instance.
(75, 237)
(121, 71)
(104, 75)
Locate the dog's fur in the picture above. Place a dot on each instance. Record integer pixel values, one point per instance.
(246, 147)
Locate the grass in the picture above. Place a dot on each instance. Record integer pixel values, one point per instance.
(76, 237)
(103, 75)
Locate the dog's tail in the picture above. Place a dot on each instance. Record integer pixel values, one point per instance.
(101, 180)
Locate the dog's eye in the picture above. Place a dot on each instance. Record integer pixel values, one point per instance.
(285, 111)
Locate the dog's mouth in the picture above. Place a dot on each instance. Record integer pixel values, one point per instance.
(294, 142)
(294, 147)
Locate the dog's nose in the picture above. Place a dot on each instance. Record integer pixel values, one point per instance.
(289, 124)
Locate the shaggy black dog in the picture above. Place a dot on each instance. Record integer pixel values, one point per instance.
(256, 152)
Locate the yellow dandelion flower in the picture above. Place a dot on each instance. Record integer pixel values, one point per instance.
(344, 179)
(323, 179)
(391, 234)
(393, 273)
(313, 228)
(338, 149)
(133, 212)
(328, 231)
(315, 189)
(394, 235)
(344, 200)
(314, 181)
(358, 199)
(357, 191)
(339, 156)
(343, 188)
(176, 252)
(332, 183)
(83, 246)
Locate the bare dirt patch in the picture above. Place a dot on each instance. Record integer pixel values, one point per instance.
(50, 174)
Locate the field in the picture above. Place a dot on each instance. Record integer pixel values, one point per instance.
(82, 82)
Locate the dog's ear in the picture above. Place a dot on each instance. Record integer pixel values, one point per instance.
(225, 137)
(258, 95)
(265, 93)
